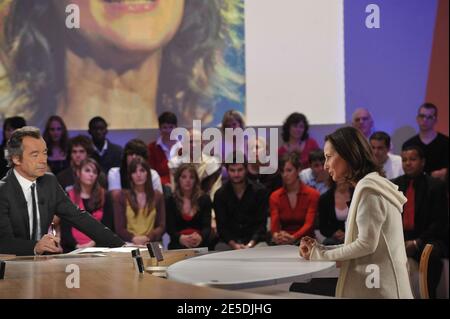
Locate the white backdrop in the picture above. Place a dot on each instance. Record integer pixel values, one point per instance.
(294, 61)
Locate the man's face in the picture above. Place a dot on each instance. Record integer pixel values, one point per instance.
(363, 122)
(78, 155)
(166, 129)
(237, 173)
(426, 119)
(412, 163)
(317, 167)
(98, 132)
(380, 150)
(33, 163)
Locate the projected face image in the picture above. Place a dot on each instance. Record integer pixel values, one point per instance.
(127, 25)
(127, 61)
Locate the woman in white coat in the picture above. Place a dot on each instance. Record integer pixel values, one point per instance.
(373, 257)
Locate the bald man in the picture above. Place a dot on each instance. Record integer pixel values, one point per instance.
(363, 121)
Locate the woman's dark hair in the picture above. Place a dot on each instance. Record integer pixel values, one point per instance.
(294, 119)
(13, 122)
(196, 191)
(97, 197)
(291, 157)
(194, 71)
(64, 142)
(134, 146)
(353, 147)
(148, 187)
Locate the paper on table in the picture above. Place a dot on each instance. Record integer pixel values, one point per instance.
(92, 250)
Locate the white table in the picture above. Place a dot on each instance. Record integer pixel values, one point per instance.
(249, 268)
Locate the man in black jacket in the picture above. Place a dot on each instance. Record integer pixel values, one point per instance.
(29, 198)
(425, 215)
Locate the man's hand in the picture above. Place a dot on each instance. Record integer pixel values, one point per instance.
(49, 244)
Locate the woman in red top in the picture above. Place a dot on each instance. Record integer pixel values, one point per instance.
(296, 138)
(293, 207)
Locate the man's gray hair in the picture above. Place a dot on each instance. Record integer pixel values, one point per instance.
(14, 145)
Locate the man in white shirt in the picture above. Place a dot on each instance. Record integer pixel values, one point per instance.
(392, 164)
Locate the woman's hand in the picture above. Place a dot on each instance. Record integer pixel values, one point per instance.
(140, 240)
(306, 245)
(339, 235)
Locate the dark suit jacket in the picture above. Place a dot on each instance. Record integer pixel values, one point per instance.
(14, 222)
(111, 158)
(431, 208)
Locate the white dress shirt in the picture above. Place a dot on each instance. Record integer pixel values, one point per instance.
(25, 184)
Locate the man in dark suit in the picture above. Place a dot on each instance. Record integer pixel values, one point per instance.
(29, 198)
(425, 215)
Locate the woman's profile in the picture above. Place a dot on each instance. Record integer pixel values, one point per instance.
(373, 256)
(127, 62)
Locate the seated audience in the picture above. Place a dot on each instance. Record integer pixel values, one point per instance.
(271, 181)
(296, 138)
(425, 214)
(162, 150)
(392, 164)
(9, 125)
(293, 207)
(241, 209)
(188, 211)
(139, 212)
(433, 143)
(80, 148)
(88, 195)
(315, 175)
(333, 211)
(57, 138)
(118, 176)
(107, 154)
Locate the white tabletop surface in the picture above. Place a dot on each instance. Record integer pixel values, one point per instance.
(247, 268)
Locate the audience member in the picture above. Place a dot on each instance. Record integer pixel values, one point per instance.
(241, 209)
(80, 148)
(139, 212)
(315, 175)
(433, 143)
(425, 214)
(188, 213)
(392, 164)
(118, 176)
(333, 211)
(293, 207)
(107, 154)
(363, 121)
(162, 150)
(271, 182)
(57, 138)
(88, 195)
(296, 138)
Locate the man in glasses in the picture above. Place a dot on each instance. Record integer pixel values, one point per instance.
(433, 143)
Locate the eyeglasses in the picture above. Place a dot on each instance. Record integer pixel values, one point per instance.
(427, 117)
